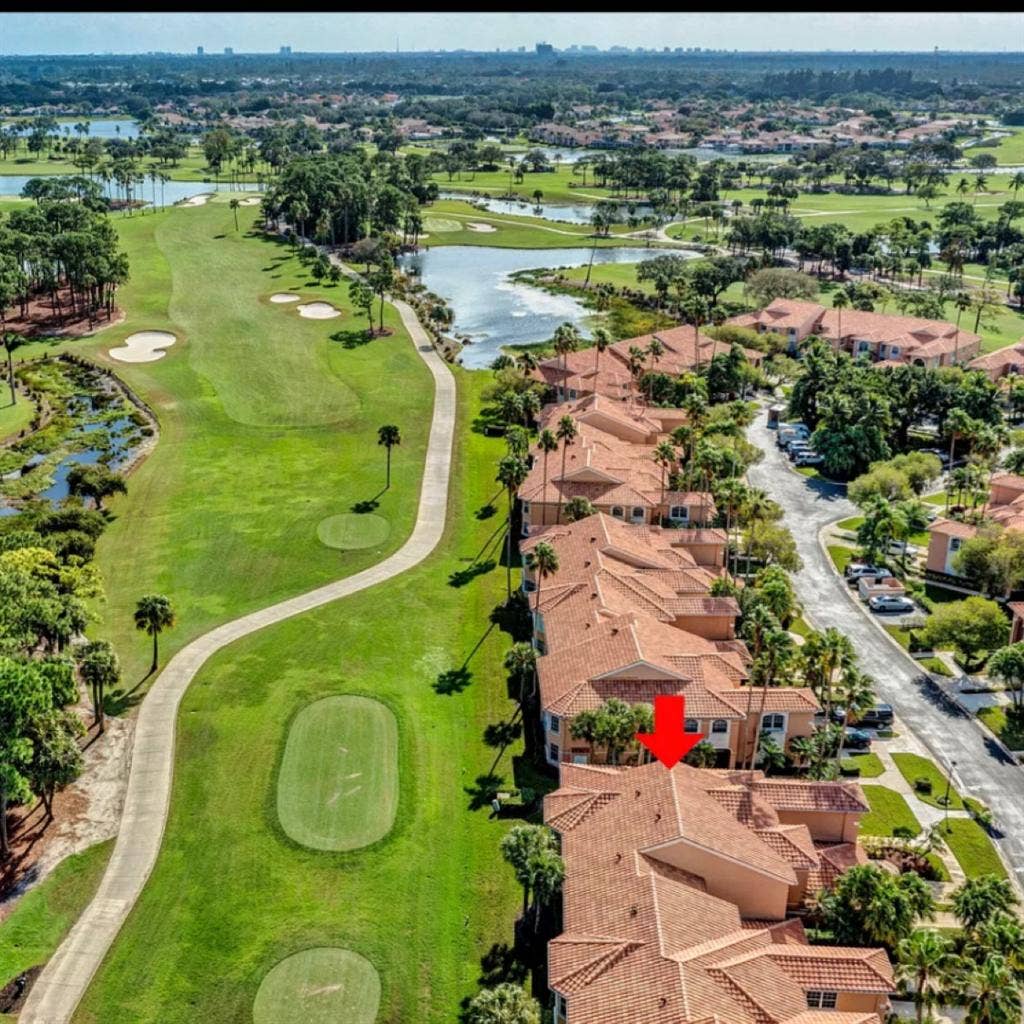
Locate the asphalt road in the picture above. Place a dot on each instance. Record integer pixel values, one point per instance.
(982, 769)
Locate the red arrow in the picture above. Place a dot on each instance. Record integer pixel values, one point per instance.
(669, 743)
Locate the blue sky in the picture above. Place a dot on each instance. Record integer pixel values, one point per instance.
(177, 32)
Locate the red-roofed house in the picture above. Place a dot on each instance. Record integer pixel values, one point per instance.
(677, 889)
(882, 337)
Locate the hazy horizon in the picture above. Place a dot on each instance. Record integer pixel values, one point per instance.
(43, 33)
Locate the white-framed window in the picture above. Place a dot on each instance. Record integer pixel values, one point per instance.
(895, 350)
(692, 725)
(618, 512)
(821, 1000)
(553, 752)
(638, 512)
(954, 544)
(572, 392)
(719, 725)
(526, 508)
(863, 346)
(773, 723)
(553, 723)
(678, 512)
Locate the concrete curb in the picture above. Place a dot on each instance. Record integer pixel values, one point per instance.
(64, 980)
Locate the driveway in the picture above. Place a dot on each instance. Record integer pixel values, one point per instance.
(982, 769)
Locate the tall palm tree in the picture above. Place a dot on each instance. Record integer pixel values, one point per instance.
(601, 342)
(825, 654)
(665, 456)
(993, 994)
(154, 614)
(389, 436)
(512, 471)
(924, 960)
(962, 301)
(566, 339)
(655, 350)
(234, 204)
(547, 443)
(856, 692)
(840, 301)
(543, 560)
(566, 433)
(776, 652)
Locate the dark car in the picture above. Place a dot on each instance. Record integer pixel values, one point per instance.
(857, 739)
(880, 716)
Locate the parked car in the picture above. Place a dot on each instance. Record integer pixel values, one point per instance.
(901, 549)
(798, 448)
(857, 739)
(837, 715)
(855, 570)
(880, 716)
(891, 604)
(809, 458)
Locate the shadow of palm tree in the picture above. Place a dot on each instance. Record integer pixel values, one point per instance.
(352, 338)
(460, 577)
(367, 505)
(454, 680)
(485, 512)
(484, 790)
(502, 963)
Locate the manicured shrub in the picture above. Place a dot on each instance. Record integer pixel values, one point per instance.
(922, 785)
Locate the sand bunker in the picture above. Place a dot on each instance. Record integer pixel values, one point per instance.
(198, 200)
(251, 201)
(318, 311)
(143, 347)
(284, 297)
(475, 225)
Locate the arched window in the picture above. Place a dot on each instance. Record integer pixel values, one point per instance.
(617, 512)
(773, 723)
(678, 512)
(692, 725)
(719, 725)
(638, 513)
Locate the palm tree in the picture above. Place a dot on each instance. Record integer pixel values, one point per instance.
(507, 1003)
(840, 301)
(924, 960)
(1017, 183)
(566, 339)
(234, 204)
(11, 341)
(154, 614)
(993, 993)
(521, 664)
(962, 301)
(512, 471)
(389, 436)
(856, 692)
(825, 654)
(776, 651)
(980, 899)
(543, 560)
(99, 668)
(655, 350)
(547, 443)
(524, 847)
(565, 433)
(601, 343)
(665, 456)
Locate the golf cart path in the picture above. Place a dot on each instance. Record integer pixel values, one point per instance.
(64, 980)
(982, 768)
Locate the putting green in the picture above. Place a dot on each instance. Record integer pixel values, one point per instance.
(319, 986)
(349, 531)
(338, 784)
(441, 224)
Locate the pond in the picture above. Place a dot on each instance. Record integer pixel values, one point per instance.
(172, 191)
(565, 155)
(578, 213)
(99, 128)
(495, 311)
(119, 449)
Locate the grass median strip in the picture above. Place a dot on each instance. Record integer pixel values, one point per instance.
(913, 767)
(889, 811)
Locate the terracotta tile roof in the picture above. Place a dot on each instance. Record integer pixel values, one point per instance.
(952, 528)
(801, 795)
(832, 1017)
(847, 968)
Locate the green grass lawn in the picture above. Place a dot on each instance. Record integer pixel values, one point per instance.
(229, 897)
(913, 767)
(900, 634)
(564, 185)
(935, 665)
(337, 787)
(268, 426)
(44, 915)
(841, 556)
(853, 523)
(13, 418)
(971, 846)
(1009, 151)
(1008, 729)
(888, 811)
(319, 986)
(870, 765)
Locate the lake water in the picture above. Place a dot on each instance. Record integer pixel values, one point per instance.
(578, 213)
(571, 156)
(173, 191)
(495, 311)
(99, 128)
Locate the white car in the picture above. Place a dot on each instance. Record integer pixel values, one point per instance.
(891, 604)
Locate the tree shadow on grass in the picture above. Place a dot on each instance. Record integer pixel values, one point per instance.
(514, 617)
(484, 789)
(502, 963)
(367, 504)
(453, 680)
(485, 512)
(460, 577)
(352, 338)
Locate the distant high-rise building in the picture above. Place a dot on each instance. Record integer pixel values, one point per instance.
(545, 49)
(229, 51)
(285, 51)
(199, 51)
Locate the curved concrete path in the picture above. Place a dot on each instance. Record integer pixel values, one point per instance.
(65, 978)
